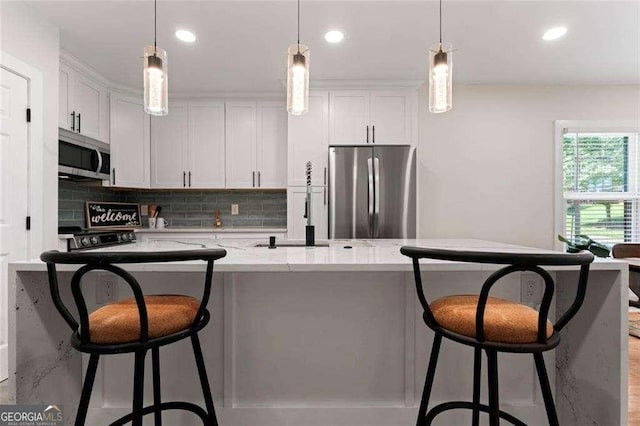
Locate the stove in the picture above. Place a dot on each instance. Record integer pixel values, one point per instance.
(84, 239)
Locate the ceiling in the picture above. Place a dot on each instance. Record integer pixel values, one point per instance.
(241, 44)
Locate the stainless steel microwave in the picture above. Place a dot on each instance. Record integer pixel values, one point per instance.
(82, 157)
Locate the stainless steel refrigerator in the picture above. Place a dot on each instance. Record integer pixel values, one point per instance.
(372, 191)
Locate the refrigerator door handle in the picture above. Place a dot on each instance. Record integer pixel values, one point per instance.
(376, 197)
(370, 196)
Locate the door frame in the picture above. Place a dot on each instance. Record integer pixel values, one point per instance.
(35, 180)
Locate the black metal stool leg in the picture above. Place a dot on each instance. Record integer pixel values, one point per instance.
(477, 370)
(138, 388)
(494, 403)
(157, 400)
(86, 390)
(428, 382)
(204, 381)
(546, 389)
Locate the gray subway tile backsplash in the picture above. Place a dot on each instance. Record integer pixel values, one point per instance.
(181, 209)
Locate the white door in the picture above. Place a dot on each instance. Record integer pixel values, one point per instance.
(309, 141)
(169, 135)
(14, 186)
(272, 145)
(90, 104)
(130, 140)
(240, 145)
(65, 83)
(391, 117)
(206, 145)
(349, 117)
(296, 222)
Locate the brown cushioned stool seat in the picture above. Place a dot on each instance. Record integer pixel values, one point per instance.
(504, 321)
(119, 322)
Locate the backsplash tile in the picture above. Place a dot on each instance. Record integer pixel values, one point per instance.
(192, 209)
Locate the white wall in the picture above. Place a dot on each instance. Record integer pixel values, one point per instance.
(34, 41)
(487, 167)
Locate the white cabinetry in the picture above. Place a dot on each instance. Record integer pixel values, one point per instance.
(83, 104)
(296, 221)
(169, 135)
(256, 144)
(309, 141)
(129, 142)
(361, 117)
(187, 146)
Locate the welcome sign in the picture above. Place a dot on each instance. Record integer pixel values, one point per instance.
(102, 215)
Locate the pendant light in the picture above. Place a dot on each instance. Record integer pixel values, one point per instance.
(298, 76)
(156, 83)
(440, 75)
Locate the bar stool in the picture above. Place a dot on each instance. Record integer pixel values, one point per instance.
(136, 325)
(495, 325)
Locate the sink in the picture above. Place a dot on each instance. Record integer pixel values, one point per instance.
(292, 244)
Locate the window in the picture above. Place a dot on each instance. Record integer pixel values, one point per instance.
(600, 186)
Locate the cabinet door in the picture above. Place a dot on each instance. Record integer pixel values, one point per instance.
(296, 221)
(65, 86)
(391, 117)
(272, 145)
(309, 141)
(240, 144)
(129, 139)
(349, 117)
(169, 135)
(205, 153)
(90, 103)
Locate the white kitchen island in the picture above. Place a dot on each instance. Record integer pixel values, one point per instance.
(327, 336)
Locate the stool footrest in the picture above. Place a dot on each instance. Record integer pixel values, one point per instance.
(469, 406)
(175, 405)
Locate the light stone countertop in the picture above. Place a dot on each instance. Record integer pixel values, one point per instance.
(365, 255)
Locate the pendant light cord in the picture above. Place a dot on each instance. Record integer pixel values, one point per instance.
(155, 25)
(440, 22)
(298, 26)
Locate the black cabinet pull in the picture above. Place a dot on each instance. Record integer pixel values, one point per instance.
(73, 121)
(367, 134)
(373, 129)
(259, 184)
(254, 179)
(189, 179)
(113, 171)
(325, 175)
(184, 179)
(79, 121)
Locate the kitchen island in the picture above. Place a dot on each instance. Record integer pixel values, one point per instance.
(326, 336)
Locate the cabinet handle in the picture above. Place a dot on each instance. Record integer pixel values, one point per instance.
(373, 129)
(325, 175)
(325, 196)
(73, 121)
(113, 171)
(259, 184)
(184, 179)
(189, 179)
(254, 179)
(367, 134)
(79, 121)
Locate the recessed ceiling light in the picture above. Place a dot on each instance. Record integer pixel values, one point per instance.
(186, 36)
(554, 33)
(334, 36)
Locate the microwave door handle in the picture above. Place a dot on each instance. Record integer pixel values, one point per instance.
(99, 161)
(370, 195)
(376, 197)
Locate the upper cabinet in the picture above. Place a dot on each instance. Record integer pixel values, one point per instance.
(256, 144)
(187, 146)
(309, 141)
(83, 104)
(365, 117)
(130, 139)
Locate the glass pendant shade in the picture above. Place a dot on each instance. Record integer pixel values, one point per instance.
(297, 79)
(156, 82)
(440, 77)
